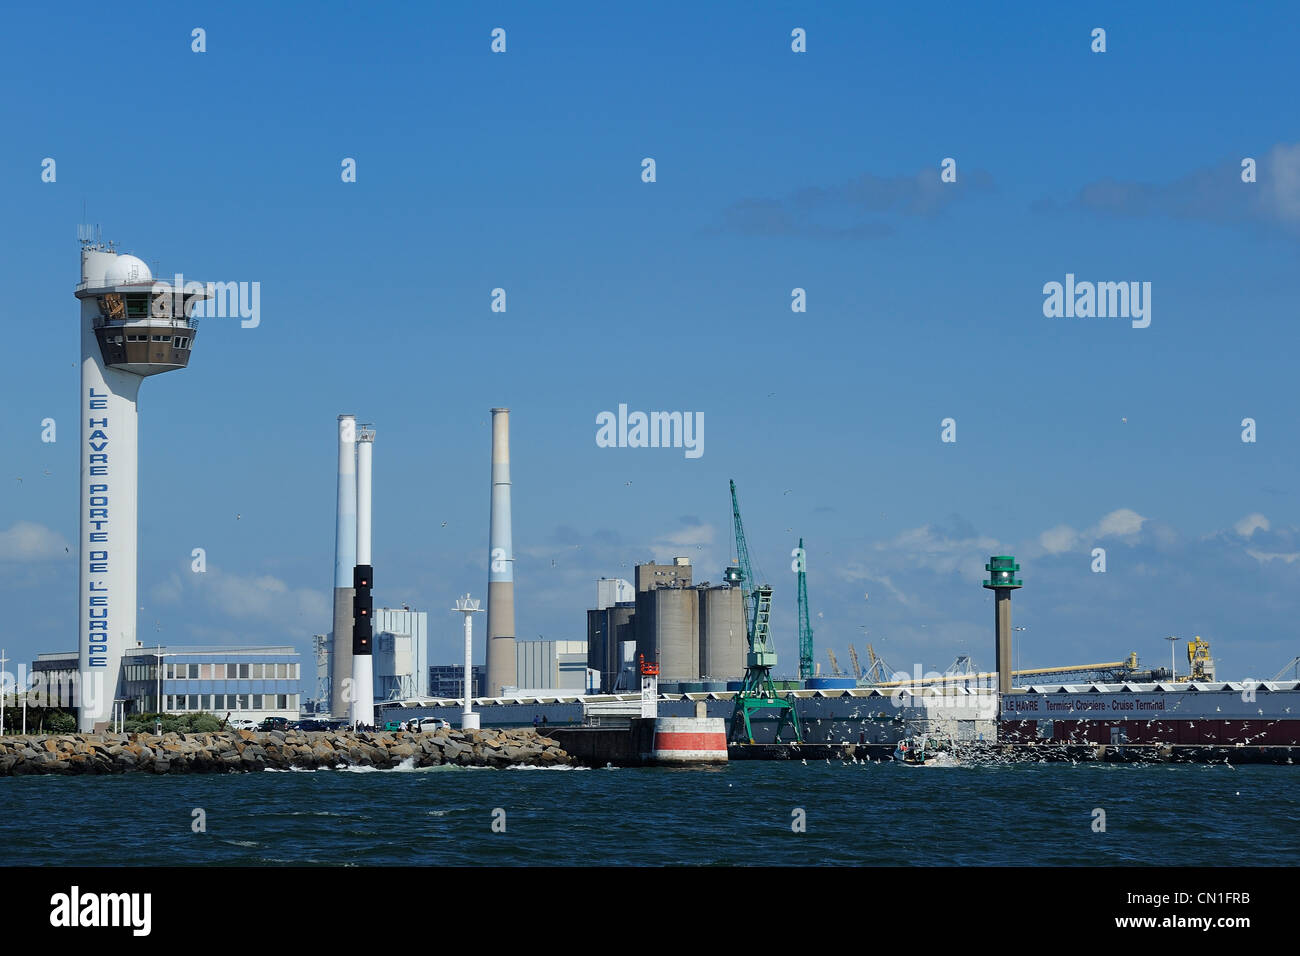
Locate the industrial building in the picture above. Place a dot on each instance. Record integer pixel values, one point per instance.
(547, 666)
(668, 630)
(611, 591)
(696, 633)
(446, 680)
(609, 630)
(401, 658)
(401, 653)
(1211, 713)
(318, 702)
(723, 641)
(650, 576)
(550, 665)
(249, 682)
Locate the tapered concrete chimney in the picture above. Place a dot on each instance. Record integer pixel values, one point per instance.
(345, 559)
(501, 565)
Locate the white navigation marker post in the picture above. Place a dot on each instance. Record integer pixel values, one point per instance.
(649, 689)
(469, 607)
(3, 661)
(157, 720)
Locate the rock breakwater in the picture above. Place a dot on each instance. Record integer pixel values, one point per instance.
(241, 751)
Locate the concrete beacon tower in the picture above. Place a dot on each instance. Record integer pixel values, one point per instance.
(469, 607)
(1002, 582)
(345, 560)
(131, 327)
(501, 565)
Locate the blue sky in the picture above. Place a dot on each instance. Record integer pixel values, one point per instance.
(775, 170)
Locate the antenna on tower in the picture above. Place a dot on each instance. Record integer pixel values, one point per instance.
(88, 235)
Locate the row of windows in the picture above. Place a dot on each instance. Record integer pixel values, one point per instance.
(177, 341)
(231, 672)
(221, 703)
(138, 305)
(213, 671)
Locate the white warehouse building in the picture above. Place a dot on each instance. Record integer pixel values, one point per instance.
(401, 653)
(550, 665)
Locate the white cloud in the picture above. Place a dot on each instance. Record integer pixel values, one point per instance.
(692, 536)
(927, 548)
(168, 592)
(1250, 524)
(695, 542)
(1123, 521)
(1058, 539)
(263, 598)
(935, 549)
(26, 541)
(1264, 557)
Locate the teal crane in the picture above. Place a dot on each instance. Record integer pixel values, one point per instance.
(757, 693)
(805, 627)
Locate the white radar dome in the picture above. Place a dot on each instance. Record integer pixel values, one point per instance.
(127, 269)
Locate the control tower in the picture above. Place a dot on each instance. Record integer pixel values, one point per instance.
(131, 327)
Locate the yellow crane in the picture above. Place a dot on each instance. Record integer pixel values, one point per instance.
(1198, 657)
(835, 665)
(853, 657)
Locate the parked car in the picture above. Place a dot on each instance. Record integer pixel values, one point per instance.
(241, 723)
(430, 724)
(316, 723)
(275, 723)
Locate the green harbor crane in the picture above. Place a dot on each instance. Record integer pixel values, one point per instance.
(757, 693)
(805, 628)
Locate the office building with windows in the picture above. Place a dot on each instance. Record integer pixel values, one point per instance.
(248, 682)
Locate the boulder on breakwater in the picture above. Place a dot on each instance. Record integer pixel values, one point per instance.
(242, 750)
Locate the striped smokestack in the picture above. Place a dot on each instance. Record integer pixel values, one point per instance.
(345, 559)
(501, 565)
(363, 679)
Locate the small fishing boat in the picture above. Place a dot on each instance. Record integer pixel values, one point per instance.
(918, 751)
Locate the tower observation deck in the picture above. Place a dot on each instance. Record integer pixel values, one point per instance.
(142, 325)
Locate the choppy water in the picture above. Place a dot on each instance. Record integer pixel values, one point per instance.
(1027, 814)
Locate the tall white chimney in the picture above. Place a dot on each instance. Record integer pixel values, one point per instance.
(501, 565)
(345, 559)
